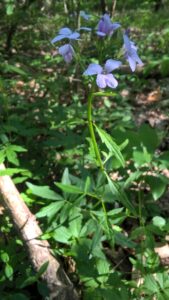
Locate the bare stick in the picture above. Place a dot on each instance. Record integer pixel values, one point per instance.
(58, 283)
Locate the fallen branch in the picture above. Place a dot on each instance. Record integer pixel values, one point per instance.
(58, 283)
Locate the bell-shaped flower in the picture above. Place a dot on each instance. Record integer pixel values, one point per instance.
(67, 52)
(104, 77)
(131, 53)
(106, 27)
(66, 33)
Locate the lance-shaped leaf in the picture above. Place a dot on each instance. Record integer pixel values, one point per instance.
(111, 145)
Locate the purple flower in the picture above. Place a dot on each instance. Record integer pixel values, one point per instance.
(67, 52)
(106, 27)
(65, 33)
(131, 53)
(104, 76)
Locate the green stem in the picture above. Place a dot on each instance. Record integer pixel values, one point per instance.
(96, 149)
(91, 130)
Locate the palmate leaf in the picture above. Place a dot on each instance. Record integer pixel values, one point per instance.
(111, 145)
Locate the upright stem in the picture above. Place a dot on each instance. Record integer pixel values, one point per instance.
(96, 149)
(91, 130)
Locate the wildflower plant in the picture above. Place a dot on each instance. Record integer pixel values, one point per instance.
(99, 73)
(104, 79)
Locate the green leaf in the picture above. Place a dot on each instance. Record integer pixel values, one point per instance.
(65, 177)
(9, 9)
(159, 221)
(18, 148)
(11, 171)
(141, 157)
(13, 69)
(148, 138)
(150, 284)
(75, 226)
(132, 177)
(2, 156)
(121, 196)
(50, 210)
(4, 257)
(71, 189)
(17, 296)
(12, 156)
(43, 192)
(123, 241)
(8, 271)
(107, 94)
(96, 240)
(42, 269)
(111, 145)
(29, 281)
(157, 186)
(62, 235)
(103, 268)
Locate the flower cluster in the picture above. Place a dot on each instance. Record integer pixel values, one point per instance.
(105, 27)
(67, 50)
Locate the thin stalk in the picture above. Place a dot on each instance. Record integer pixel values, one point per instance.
(96, 149)
(91, 130)
(141, 221)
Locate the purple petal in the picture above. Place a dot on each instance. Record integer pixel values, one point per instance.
(100, 80)
(115, 26)
(57, 38)
(104, 24)
(111, 65)
(137, 58)
(101, 26)
(93, 69)
(132, 63)
(100, 33)
(68, 57)
(74, 36)
(85, 28)
(127, 42)
(67, 52)
(111, 81)
(65, 31)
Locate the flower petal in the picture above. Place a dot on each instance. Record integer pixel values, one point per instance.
(111, 81)
(93, 69)
(115, 26)
(137, 58)
(132, 63)
(127, 42)
(65, 31)
(67, 52)
(100, 33)
(64, 49)
(85, 28)
(100, 80)
(57, 38)
(74, 36)
(111, 65)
